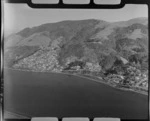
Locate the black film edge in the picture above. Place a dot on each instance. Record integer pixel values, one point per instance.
(91, 5)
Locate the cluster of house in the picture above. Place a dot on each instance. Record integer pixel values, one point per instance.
(93, 67)
(81, 65)
(114, 78)
(133, 78)
(39, 61)
(43, 60)
(88, 66)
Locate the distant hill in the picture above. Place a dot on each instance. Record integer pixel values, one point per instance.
(93, 41)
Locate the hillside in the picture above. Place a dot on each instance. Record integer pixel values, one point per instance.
(87, 40)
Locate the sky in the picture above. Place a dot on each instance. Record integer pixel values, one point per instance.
(20, 16)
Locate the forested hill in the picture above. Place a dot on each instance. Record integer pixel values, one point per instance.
(99, 43)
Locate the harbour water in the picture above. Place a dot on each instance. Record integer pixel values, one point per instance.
(60, 95)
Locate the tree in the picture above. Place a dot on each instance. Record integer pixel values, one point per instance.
(118, 62)
(134, 58)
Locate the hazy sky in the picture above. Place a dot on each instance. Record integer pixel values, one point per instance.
(19, 16)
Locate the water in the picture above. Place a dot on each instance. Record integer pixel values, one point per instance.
(58, 95)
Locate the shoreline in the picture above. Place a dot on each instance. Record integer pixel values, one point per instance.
(124, 89)
(82, 76)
